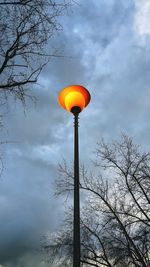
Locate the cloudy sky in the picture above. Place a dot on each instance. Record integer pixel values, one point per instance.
(107, 48)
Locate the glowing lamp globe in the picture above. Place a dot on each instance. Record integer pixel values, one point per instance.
(74, 97)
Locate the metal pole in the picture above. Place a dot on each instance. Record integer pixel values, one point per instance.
(76, 231)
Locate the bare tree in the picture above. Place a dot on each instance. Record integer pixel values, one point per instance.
(115, 219)
(25, 28)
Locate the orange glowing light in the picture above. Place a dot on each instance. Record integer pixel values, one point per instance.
(74, 96)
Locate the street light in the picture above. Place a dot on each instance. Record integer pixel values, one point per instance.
(74, 99)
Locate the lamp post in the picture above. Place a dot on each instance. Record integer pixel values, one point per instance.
(74, 99)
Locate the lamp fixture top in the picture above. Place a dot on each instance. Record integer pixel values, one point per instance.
(73, 98)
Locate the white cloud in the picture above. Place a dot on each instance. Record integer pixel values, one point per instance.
(46, 153)
(142, 17)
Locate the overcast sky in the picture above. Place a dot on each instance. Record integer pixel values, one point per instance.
(107, 48)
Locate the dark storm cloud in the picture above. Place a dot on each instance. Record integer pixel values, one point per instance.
(28, 210)
(105, 53)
